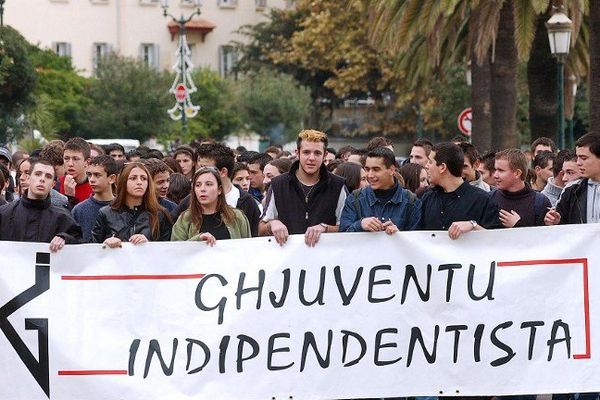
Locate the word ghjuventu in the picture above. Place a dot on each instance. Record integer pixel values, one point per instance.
(388, 348)
(377, 278)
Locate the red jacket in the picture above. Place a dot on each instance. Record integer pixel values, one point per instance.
(82, 191)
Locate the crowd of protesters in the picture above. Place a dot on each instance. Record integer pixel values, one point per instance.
(76, 192)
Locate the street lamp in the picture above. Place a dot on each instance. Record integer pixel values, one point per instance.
(559, 28)
(183, 85)
(1, 13)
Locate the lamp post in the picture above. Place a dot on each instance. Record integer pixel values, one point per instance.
(183, 85)
(1, 13)
(559, 28)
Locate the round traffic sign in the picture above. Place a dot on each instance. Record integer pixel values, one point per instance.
(465, 121)
(181, 92)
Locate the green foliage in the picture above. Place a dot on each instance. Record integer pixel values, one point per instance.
(65, 91)
(452, 96)
(273, 105)
(218, 116)
(17, 81)
(127, 100)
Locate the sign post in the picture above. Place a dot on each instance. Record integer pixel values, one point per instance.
(464, 121)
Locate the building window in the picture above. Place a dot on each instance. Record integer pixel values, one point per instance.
(227, 60)
(261, 4)
(63, 49)
(188, 3)
(227, 3)
(149, 2)
(149, 54)
(99, 1)
(99, 51)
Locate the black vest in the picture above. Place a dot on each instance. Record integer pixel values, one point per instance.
(292, 208)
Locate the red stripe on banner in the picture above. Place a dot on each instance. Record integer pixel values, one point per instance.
(586, 296)
(93, 372)
(128, 277)
(538, 262)
(586, 304)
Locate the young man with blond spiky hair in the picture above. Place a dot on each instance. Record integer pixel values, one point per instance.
(308, 199)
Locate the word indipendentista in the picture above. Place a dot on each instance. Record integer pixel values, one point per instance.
(379, 279)
(390, 347)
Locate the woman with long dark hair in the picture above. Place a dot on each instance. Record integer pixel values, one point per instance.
(415, 177)
(135, 215)
(209, 218)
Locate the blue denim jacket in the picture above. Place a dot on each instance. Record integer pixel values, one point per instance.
(396, 210)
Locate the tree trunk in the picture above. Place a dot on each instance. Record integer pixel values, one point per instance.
(594, 67)
(541, 80)
(481, 131)
(504, 82)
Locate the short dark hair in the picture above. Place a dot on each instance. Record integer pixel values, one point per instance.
(41, 161)
(425, 144)
(114, 146)
(559, 161)
(94, 146)
(134, 153)
(543, 159)
(344, 150)
(107, 162)
(411, 173)
(173, 165)
(489, 161)
(187, 150)
(4, 176)
(78, 144)
(247, 155)
(331, 150)
(222, 155)
(386, 154)
(260, 158)
(470, 152)
(591, 140)
(283, 165)
(450, 154)
(351, 173)
(179, 187)
(4, 172)
(154, 153)
(239, 166)
(379, 141)
(544, 141)
(333, 164)
(274, 149)
(156, 166)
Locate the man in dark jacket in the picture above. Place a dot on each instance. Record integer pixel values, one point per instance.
(32, 218)
(453, 204)
(580, 202)
(223, 159)
(308, 199)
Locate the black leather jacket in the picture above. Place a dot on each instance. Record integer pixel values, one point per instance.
(127, 222)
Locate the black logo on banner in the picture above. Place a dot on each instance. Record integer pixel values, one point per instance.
(37, 367)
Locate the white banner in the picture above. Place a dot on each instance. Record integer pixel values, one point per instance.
(360, 315)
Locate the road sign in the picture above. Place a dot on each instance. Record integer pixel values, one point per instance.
(464, 121)
(181, 92)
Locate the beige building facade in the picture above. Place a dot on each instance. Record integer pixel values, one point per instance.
(88, 29)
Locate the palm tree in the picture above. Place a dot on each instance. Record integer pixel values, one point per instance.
(500, 32)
